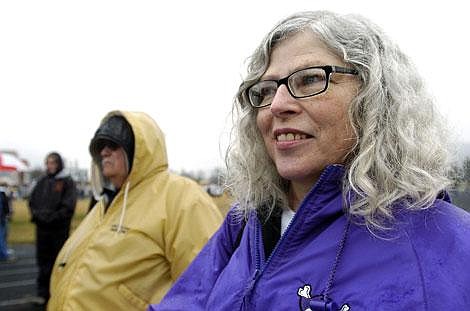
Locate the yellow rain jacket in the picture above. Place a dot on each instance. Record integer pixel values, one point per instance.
(130, 256)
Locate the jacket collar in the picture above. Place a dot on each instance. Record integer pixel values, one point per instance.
(324, 202)
(325, 189)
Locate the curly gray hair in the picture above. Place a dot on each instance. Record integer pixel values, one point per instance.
(400, 153)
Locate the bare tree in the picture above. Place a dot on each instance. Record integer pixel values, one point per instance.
(466, 170)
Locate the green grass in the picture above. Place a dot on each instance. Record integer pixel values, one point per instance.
(21, 230)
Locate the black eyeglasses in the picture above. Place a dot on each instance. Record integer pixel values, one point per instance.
(301, 83)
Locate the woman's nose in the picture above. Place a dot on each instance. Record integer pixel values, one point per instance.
(283, 103)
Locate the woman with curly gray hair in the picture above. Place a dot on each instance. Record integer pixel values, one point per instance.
(338, 164)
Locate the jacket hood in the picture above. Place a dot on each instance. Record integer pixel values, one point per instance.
(149, 157)
(60, 163)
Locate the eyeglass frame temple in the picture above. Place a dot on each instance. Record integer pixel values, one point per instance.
(343, 70)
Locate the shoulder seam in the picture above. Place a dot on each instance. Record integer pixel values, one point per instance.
(421, 273)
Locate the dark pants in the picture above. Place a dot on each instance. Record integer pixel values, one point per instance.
(49, 241)
(3, 240)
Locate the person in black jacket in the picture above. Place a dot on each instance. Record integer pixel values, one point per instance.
(5, 214)
(52, 204)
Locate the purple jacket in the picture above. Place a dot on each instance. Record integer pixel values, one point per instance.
(423, 264)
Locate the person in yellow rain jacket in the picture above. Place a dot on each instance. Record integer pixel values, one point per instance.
(145, 229)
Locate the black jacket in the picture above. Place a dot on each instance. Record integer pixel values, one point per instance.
(5, 210)
(53, 200)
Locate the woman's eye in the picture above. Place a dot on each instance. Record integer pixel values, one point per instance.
(267, 91)
(312, 79)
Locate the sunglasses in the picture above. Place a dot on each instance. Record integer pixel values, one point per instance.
(106, 143)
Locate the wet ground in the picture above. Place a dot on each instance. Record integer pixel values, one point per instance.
(18, 280)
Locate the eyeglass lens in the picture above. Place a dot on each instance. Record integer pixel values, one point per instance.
(302, 83)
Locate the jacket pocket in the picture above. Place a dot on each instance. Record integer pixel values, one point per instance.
(132, 298)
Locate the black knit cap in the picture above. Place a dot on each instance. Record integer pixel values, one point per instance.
(117, 130)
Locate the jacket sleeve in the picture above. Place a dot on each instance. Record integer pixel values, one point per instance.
(6, 209)
(67, 203)
(191, 223)
(3, 212)
(441, 244)
(193, 288)
(33, 202)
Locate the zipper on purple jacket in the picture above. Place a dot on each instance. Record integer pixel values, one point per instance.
(254, 278)
(248, 289)
(258, 270)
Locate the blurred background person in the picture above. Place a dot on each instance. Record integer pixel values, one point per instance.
(146, 227)
(338, 164)
(52, 205)
(6, 254)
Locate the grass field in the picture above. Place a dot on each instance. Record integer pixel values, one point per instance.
(21, 230)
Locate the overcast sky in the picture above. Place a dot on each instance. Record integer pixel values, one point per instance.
(65, 64)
